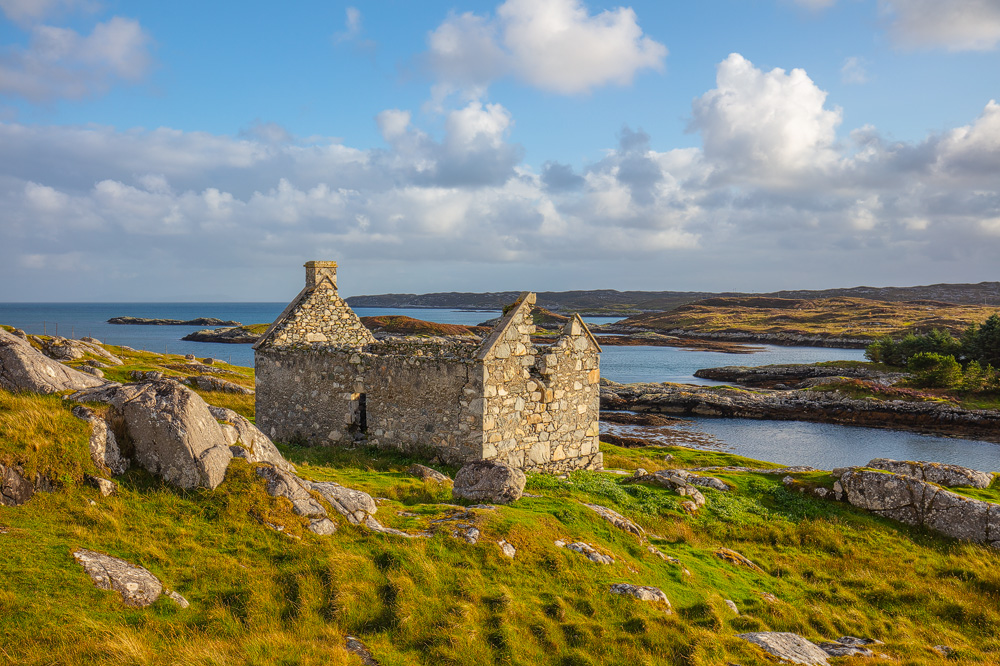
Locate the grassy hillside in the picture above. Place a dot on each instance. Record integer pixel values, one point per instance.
(829, 317)
(260, 597)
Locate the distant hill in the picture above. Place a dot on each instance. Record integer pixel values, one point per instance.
(611, 302)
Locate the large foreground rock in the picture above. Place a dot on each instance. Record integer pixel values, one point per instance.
(488, 481)
(173, 433)
(24, 368)
(788, 647)
(934, 472)
(918, 503)
(104, 449)
(355, 505)
(247, 441)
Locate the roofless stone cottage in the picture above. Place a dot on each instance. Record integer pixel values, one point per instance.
(323, 377)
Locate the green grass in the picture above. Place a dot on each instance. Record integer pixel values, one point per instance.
(41, 435)
(260, 597)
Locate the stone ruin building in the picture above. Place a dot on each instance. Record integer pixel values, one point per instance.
(324, 379)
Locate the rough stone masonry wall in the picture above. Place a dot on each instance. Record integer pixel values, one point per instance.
(322, 318)
(507, 390)
(307, 395)
(416, 402)
(566, 419)
(541, 405)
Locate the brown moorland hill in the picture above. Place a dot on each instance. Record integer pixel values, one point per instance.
(403, 325)
(827, 317)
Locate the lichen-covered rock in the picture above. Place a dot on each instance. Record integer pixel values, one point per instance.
(15, 490)
(173, 433)
(137, 585)
(488, 481)
(787, 647)
(915, 502)
(849, 646)
(247, 441)
(24, 368)
(736, 558)
(104, 451)
(427, 474)
(616, 519)
(507, 549)
(322, 526)
(355, 505)
(641, 592)
(933, 472)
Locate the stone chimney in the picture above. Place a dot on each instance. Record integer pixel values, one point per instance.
(316, 271)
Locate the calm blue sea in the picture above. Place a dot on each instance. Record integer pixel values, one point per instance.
(790, 442)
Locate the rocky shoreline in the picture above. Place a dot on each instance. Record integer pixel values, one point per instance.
(802, 405)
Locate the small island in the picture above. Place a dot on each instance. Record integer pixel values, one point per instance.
(200, 321)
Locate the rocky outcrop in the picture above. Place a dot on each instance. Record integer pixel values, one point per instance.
(616, 519)
(247, 441)
(15, 490)
(920, 504)
(787, 647)
(138, 587)
(104, 451)
(173, 433)
(24, 368)
(488, 481)
(799, 405)
(934, 472)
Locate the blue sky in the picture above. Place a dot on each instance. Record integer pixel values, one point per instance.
(204, 151)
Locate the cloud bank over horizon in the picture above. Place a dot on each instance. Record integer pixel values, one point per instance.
(768, 145)
(775, 194)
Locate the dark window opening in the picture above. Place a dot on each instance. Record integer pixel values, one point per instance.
(359, 413)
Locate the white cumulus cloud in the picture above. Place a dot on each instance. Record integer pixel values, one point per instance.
(554, 45)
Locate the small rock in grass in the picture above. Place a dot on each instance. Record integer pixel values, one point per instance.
(507, 549)
(137, 585)
(732, 606)
(322, 526)
(357, 647)
(944, 650)
(104, 485)
(641, 592)
(176, 598)
(427, 474)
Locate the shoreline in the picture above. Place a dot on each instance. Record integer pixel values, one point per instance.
(802, 405)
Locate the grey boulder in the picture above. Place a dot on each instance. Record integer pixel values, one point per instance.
(488, 481)
(24, 368)
(427, 474)
(174, 434)
(285, 484)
